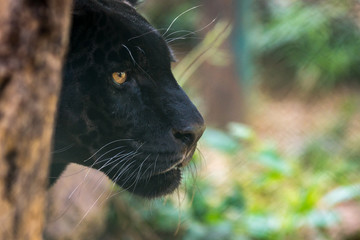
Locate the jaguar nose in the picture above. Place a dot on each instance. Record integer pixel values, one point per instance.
(189, 135)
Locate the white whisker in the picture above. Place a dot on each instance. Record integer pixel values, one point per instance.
(87, 212)
(190, 33)
(119, 140)
(62, 149)
(132, 57)
(164, 35)
(98, 159)
(141, 35)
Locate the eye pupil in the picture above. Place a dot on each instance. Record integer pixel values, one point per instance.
(119, 77)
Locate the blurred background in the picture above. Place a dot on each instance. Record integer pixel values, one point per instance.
(278, 83)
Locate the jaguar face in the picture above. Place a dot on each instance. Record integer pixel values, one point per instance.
(121, 110)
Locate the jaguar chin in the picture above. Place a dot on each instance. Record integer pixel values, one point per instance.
(121, 110)
(155, 185)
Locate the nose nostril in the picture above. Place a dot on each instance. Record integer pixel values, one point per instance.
(189, 135)
(185, 137)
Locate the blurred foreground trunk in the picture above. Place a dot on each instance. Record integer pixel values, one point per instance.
(33, 38)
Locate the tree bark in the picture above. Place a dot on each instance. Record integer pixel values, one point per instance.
(33, 38)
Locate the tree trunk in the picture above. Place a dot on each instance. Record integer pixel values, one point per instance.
(220, 84)
(33, 38)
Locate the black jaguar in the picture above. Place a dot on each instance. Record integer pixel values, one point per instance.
(121, 110)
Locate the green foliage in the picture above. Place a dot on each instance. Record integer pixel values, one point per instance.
(319, 42)
(342, 194)
(268, 195)
(221, 141)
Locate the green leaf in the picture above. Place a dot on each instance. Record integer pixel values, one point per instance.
(342, 194)
(220, 140)
(241, 131)
(236, 200)
(274, 162)
(261, 226)
(318, 218)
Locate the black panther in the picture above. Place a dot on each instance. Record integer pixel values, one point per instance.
(121, 110)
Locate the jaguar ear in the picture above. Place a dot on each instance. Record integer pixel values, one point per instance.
(80, 7)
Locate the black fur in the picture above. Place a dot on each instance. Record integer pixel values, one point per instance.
(136, 131)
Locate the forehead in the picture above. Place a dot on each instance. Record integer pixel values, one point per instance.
(137, 32)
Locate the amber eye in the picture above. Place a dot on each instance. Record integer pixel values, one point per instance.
(119, 77)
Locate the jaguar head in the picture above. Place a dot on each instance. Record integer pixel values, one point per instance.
(121, 110)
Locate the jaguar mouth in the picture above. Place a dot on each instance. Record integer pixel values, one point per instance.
(155, 185)
(159, 183)
(174, 167)
(150, 177)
